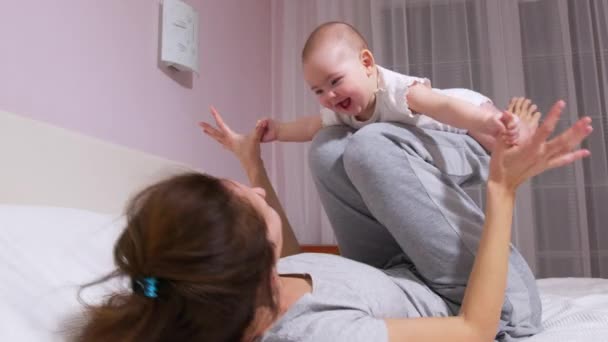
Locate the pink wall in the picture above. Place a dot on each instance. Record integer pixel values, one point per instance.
(92, 66)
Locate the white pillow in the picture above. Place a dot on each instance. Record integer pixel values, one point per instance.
(46, 254)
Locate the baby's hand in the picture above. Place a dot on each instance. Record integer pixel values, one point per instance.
(494, 125)
(512, 126)
(270, 131)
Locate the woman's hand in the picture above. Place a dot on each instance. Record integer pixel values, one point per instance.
(511, 166)
(245, 147)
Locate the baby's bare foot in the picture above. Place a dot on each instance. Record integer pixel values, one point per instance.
(528, 116)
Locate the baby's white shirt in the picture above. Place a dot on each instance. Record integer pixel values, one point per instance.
(392, 106)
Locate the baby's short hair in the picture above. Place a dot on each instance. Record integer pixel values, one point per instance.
(336, 31)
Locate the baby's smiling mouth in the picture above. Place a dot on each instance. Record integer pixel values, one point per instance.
(344, 104)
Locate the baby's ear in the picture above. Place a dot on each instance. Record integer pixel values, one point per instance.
(367, 59)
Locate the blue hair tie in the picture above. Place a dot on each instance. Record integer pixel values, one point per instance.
(146, 286)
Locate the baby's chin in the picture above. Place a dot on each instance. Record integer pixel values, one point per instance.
(352, 112)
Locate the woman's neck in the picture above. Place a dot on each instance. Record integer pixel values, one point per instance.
(293, 287)
(289, 289)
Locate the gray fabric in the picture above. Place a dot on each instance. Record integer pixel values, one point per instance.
(349, 300)
(391, 189)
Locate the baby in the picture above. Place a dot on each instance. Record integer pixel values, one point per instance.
(355, 91)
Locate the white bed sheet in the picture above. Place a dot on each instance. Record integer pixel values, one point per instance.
(574, 310)
(46, 253)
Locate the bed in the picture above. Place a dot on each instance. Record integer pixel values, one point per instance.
(60, 202)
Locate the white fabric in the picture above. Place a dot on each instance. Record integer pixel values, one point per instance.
(574, 310)
(392, 106)
(47, 253)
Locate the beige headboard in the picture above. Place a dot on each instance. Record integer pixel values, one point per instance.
(47, 165)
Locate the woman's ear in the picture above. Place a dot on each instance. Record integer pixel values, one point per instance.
(367, 60)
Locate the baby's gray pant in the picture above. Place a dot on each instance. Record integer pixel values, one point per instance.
(392, 189)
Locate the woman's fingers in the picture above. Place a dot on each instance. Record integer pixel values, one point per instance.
(559, 151)
(567, 158)
(511, 106)
(525, 106)
(536, 155)
(549, 124)
(259, 129)
(569, 139)
(535, 119)
(215, 137)
(218, 120)
(210, 130)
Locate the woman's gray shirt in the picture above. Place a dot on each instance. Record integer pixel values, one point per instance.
(350, 300)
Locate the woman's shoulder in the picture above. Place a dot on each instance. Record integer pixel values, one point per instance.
(341, 305)
(332, 274)
(336, 279)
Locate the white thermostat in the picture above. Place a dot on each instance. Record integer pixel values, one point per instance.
(179, 44)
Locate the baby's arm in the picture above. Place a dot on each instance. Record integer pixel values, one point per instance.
(453, 111)
(302, 129)
(484, 139)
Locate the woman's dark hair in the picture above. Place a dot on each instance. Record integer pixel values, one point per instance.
(209, 250)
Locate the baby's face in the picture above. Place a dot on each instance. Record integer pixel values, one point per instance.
(340, 80)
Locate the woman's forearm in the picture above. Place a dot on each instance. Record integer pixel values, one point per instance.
(484, 294)
(256, 173)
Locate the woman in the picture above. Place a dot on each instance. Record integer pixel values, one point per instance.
(203, 257)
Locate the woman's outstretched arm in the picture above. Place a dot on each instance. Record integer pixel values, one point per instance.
(484, 295)
(247, 150)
